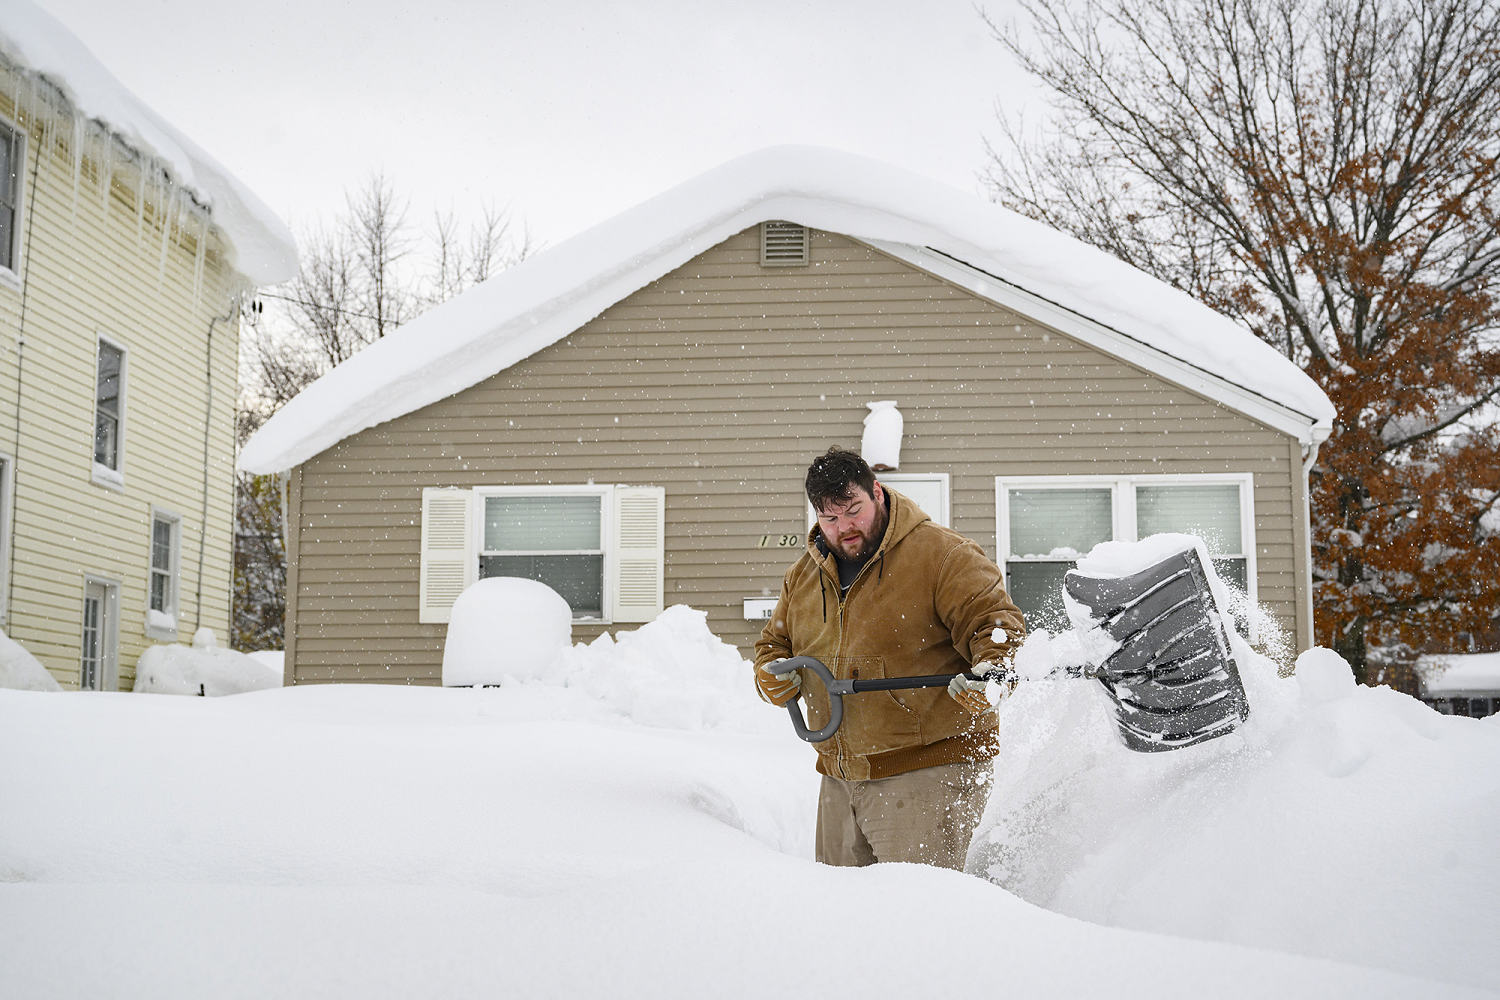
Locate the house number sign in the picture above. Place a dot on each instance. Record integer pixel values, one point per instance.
(779, 542)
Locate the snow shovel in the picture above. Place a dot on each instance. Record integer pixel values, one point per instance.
(838, 688)
(1173, 679)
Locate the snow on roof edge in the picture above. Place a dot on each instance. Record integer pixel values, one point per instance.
(1445, 674)
(261, 245)
(546, 297)
(1312, 419)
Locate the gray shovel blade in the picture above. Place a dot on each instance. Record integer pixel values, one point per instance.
(1173, 679)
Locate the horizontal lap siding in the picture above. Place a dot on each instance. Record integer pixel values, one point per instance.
(719, 382)
(88, 272)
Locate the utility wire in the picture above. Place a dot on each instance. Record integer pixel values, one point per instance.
(319, 306)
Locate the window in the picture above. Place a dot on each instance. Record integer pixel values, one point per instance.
(1045, 525)
(11, 161)
(600, 547)
(1050, 528)
(109, 414)
(556, 539)
(161, 591)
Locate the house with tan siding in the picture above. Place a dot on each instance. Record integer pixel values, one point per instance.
(627, 417)
(125, 253)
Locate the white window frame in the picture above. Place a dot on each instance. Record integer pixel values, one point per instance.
(608, 533)
(944, 483)
(1123, 512)
(103, 475)
(10, 275)
(163, 624)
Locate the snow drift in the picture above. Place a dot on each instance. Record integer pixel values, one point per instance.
(21, 671)
(202, 669)
(633, 821)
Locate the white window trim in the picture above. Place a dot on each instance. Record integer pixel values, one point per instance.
(608, 530)
(10, 277)
(943, 479)
(945, 488)
(164, 625)
(1122, 505)
(103, 475)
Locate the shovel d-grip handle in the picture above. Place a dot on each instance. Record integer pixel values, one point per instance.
(837, 688)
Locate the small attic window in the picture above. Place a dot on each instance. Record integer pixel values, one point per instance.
(784, 244)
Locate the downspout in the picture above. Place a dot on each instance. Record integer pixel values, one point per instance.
(1309, 459)
(208, 413)
(10, 570)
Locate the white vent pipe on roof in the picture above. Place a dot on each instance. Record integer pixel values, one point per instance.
(881, 444)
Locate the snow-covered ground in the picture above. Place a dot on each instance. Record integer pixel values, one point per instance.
(633, 822)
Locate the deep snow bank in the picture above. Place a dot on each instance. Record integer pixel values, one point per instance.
(1338, 820)
(202, 669)
(637, 803)
(19, 670)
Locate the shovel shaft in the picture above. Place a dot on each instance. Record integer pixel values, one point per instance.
(902, 683)
(838, 688)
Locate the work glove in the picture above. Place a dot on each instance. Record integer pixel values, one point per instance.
(980, 696)
(777, 688)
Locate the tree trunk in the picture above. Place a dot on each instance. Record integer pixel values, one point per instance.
(1350, 644)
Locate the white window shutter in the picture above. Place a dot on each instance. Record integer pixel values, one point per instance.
(640, 519)
(447, 552)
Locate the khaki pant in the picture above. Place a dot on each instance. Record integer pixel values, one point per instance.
(926, 816)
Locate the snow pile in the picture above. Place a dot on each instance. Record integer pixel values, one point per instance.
(673, 673)
(33, 41)
(271, 659)
(19, 670)
(202, 669)
(544, 298)
(1293, 832)
(505, 628)
(1337, 820)
(635, 799)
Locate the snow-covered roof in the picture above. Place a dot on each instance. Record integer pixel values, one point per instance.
(538, 302)
(261, 245)
(1460, 674)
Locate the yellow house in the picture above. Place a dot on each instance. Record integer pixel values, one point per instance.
(125, 256)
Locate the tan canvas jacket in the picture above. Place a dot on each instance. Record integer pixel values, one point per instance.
(928, 602)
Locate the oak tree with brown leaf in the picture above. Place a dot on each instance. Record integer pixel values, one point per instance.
(1328, 173)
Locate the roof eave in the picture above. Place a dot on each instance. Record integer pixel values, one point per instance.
(1307, 429)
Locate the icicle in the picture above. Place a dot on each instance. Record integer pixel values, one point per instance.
(169, 211)
(199, 258)
(104, 156)
(77, 161)
(140, 206)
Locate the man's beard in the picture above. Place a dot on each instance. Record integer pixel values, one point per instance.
(868, 543)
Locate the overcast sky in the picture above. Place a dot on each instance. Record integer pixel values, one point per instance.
(566, 112)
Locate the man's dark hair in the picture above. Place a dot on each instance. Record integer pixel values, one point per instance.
(832, 476)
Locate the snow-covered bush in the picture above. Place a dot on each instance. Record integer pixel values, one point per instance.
(505, 628)
(202, 668)
(20, 670)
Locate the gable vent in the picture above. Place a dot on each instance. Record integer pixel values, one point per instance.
(783, 244)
